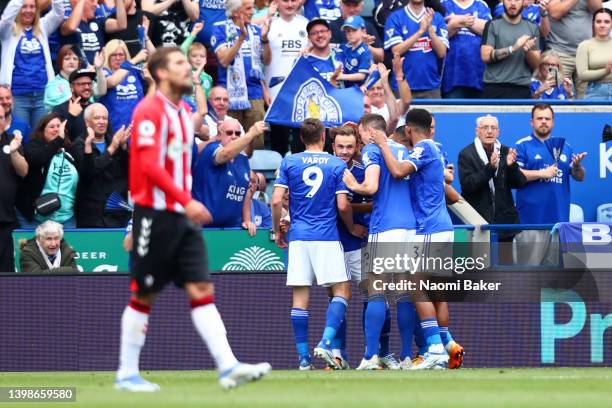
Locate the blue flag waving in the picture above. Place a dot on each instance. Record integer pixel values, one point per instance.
(305, 94)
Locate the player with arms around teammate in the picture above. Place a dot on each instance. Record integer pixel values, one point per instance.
(346, 147)
(392, 225)
(168, 244)
(426, 167)
(314, 181)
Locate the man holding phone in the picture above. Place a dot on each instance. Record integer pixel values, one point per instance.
(511, 51)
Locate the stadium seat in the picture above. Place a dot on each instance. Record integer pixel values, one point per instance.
(265, 161)
(576, 213)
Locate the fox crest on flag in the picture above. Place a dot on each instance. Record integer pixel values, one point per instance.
(306, 94)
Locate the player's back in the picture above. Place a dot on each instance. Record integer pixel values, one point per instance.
(392, 208)
(427, 186)
(313, 180)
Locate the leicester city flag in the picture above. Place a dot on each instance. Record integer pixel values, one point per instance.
(305, 94)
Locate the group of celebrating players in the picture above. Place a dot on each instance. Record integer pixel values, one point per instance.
(407, 206)
(394, 195)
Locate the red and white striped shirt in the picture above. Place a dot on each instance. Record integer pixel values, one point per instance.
(160, 154)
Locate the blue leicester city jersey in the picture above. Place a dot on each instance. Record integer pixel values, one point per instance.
(463, 66)
(326, 66)
(349, 241)
(530, 13)
(544, 201)
(29, 72)
(326, 9)
(392, 202)
(211, 12)
(356, 60)
(554, 93)
(123, 98)
(221, 188)
(427, 187)
(422, 67)
(313, 180)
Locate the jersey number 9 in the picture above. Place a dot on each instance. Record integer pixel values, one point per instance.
(313, 182)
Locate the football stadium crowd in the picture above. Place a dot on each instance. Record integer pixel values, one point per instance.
(73, 71)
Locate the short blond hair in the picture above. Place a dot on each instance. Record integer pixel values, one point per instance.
(196, 46)
(111, 47)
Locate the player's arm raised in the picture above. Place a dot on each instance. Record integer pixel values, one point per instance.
(398, 169)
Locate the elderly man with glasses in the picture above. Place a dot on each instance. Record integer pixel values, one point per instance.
(221, 175)
(488, 172)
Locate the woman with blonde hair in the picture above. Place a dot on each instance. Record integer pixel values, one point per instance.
(26, 59)
(124, 82)
(549, 80)
(594, 58)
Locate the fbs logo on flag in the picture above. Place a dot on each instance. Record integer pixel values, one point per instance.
(306, 94)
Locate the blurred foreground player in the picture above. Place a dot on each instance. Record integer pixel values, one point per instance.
(160, 184)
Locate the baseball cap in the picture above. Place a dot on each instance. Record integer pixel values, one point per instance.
(355, 2)
(316, 21)
(354, 22)
(74, 75)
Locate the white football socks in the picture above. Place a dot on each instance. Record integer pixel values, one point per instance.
(133, 335)
(209, 325)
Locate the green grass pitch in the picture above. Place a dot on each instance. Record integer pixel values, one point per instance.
(473, 388)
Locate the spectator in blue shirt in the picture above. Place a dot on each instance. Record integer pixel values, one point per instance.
(11, 122)
(357, 56)
(242, 48)
(211, 12)
(547, 162)
(463, 68)
(261, 217)
(420, 36)
(86, 30)
(328, 10)
(124, 82)
(326, 60)
(26, 60)
(549, 80)
(221, 174)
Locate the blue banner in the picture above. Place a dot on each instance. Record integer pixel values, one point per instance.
(587, 236)
(305, 94)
